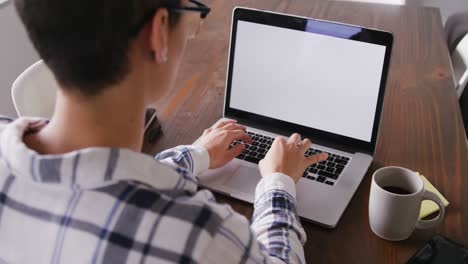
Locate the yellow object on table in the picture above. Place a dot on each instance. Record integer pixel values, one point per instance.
(429, 207)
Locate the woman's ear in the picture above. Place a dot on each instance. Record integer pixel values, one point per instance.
(159, 36)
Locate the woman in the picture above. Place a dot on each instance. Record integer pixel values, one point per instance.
(76, 189)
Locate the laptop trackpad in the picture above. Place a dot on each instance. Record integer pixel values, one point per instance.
(244, 180)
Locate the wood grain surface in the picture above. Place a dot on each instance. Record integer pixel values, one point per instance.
(421, 127)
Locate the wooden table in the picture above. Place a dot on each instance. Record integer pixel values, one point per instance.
(421, 128)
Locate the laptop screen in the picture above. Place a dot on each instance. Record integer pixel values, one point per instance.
(327, 82)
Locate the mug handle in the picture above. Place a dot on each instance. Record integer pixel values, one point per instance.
(424, 224)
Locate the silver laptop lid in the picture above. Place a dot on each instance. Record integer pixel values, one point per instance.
(322, 79)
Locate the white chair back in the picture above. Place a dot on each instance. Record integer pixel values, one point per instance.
(3, 3)
(460, 65)
(34, 92)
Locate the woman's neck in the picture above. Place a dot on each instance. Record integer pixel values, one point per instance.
(114, 118)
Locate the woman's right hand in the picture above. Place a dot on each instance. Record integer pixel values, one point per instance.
(287, 156)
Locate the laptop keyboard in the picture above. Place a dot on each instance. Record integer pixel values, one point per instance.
(327, 171)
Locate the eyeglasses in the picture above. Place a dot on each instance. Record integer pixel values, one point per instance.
(193, 23)
(199, 7)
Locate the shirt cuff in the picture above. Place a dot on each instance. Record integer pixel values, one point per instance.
(201, 159)
(276, 181)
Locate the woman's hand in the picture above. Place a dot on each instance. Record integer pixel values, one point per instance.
(287, 156)
(216, 141)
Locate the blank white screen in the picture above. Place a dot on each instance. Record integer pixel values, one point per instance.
(317, 81)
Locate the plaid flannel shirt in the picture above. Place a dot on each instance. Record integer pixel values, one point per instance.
(102, 205)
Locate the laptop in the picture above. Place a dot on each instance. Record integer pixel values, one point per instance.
(322, 79)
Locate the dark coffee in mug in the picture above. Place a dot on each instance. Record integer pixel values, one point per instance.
(395, 203)
(396, 190)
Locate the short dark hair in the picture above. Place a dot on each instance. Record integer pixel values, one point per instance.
(85, 43)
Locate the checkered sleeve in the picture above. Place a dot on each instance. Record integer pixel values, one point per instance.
(195, 159)
(275, 235)
(275, 221)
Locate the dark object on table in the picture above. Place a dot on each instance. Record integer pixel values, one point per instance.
(464, 108)
(152, 126)
(440, 250)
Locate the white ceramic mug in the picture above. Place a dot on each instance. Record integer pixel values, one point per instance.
(395, 202)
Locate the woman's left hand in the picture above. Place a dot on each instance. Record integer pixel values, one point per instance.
(216, 141)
